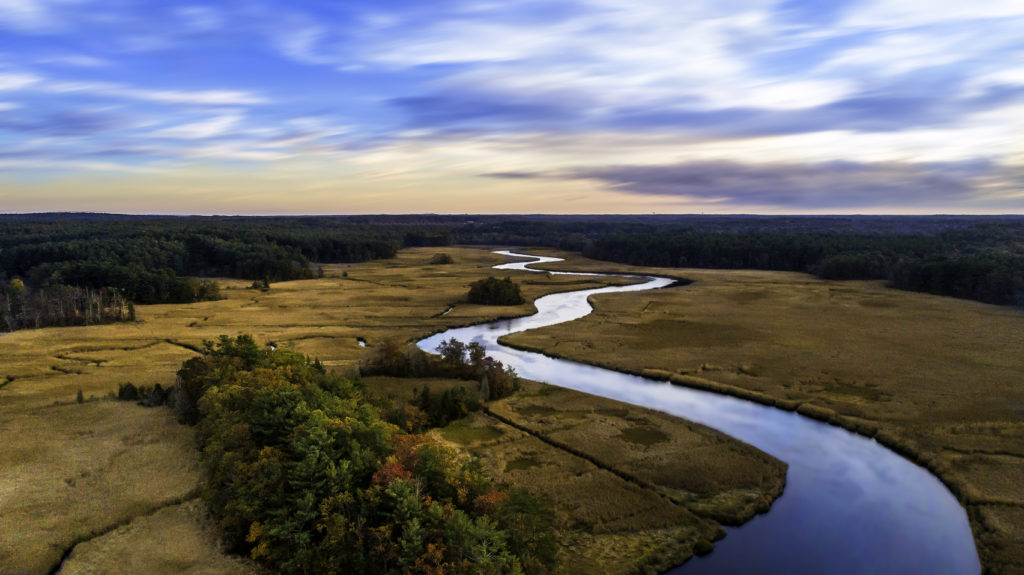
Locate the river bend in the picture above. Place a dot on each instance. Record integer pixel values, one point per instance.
(851, 506)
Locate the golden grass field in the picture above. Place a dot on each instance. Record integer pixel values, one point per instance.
(111, 481)
(938, 379)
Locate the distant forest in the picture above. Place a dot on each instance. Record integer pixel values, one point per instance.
(157, 259)
(149, 260)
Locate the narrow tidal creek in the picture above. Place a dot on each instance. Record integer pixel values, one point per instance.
(851, 505)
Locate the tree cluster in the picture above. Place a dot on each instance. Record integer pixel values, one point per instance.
(306, 477)
(492, 291)
(455, 359)
(22, 307)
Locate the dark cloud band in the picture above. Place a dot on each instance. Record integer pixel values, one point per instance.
(829, 185)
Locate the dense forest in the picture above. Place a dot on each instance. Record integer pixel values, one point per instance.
(156, 259)
(972, 257)
(306, 476)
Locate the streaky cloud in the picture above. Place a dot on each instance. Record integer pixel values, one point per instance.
(827, 185)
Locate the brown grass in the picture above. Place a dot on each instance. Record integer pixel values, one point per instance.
(175, 539)
(73, 471)
(69, 472)
(626, 526)
(938, 379)
(694, 466)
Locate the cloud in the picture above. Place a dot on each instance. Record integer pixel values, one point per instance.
(28, 15)
(17, 81)
(66, 123)
(864, 112)
(209, 128)
(469, 109)
(76, 61)
(829, 185)
(913, 13)
(195, 97)
(198, 19)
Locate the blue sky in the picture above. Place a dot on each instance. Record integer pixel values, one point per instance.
(452, 106)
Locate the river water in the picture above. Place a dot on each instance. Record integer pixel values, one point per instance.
(851, 506)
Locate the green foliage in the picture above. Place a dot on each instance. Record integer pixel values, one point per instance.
(492, 291)
(441, 259)
(457, 360)
(306, 477)
(440, 409)
(149, 259)
(703, 547)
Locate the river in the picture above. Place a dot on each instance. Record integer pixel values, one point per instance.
(851, 506)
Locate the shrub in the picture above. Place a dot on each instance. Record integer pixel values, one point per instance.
(493, 291)
(441, 259)
(127, 392)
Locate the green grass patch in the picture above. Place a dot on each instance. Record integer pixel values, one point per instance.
(521, 463)
(462, 433)
(646, 436)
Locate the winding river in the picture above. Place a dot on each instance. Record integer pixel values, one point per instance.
(851, 506)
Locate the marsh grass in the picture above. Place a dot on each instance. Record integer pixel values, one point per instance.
(605, 523)
(690, 464)
(937, 379)
(177, 539)
(73, 471)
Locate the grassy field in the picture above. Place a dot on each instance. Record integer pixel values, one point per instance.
(100, 477)
(177, 539)
(718, 478)
(623, 495)
(936, 378)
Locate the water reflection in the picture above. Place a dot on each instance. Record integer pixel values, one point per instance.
(851, 506)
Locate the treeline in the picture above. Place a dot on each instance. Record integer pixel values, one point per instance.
(22, 308)
(305, 476)
(978, 266)
(148, 258)
(972, 257)
(158, 259)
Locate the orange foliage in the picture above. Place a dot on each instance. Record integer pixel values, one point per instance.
(488, 503)
(432, 561)
(406, 447)
(389, 471)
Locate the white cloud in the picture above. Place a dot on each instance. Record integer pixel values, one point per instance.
(898, 53)
(8, 106)
(199, 97)
(911, 13)
(610, 55)
(200, 18)
(28, 15)
(300, 41)
(209, 128)
(76, 60)
(17, 81)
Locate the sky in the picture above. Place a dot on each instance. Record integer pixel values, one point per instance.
(478, 106)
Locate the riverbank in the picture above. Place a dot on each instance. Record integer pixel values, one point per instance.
(634, 490)
(933, 378)
(61, 457)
